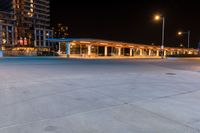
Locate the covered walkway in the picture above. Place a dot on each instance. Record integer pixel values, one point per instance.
(102, 48)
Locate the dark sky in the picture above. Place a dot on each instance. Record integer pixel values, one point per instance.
(129, 22)
(5, 5)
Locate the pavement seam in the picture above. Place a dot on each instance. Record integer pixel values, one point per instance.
(59, 117)
(161, 116)
(178, 94)
(132, 104)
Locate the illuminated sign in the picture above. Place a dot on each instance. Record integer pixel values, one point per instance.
(22, 41)
(25, 41)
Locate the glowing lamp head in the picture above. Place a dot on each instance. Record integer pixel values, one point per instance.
(180, 33)
(157, 17)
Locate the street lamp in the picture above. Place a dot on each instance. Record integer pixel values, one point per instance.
(188, 33)
(1, 53)
(158, 18)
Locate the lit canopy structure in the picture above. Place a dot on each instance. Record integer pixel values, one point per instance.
(96, 47)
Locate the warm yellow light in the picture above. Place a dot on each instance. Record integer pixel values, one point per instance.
(103, 43)
(73, 44)
(4, 41)
(180, 33)
(84, 42)
(157, 17)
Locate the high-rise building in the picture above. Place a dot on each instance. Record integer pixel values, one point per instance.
(7, 22)
(33, 21)
(26, 21)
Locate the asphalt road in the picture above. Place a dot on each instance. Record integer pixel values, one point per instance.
(57, 95)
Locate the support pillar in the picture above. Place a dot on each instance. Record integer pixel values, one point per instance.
(97, 51)
(7, 36)
(157, 53)
(80, 49)
(149, 52)
(68, 49)
(131, 52)
(119, 51)
(105, 51)
(44, 38)
(89, 50)
(165, 53)
(39, 38)
(35, 38)
(171, 53)
(141, 52)
(13, 36)
(59, 49)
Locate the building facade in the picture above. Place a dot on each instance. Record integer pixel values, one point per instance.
(33, 21)
(25, 23)
(6, 24)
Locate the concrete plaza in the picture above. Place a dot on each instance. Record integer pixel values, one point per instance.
(57, 95)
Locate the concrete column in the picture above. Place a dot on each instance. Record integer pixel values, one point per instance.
(39, 38)
(141, 51)
(68, 49)
(7, 39)
(97, 51)
(149, 52)
(119, 51)
(59, 52)
(177, 52)
(89, 50)
(35, 38)
(13, 36)
(44, 38)
(80, 49)
(105, 51)
(157, 53)
(165, 53)
(131, 52)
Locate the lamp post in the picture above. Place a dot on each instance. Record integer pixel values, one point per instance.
(1, 41)
(158, 18)
(188, 33)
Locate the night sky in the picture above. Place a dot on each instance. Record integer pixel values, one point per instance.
(129, 22)
(5, 5)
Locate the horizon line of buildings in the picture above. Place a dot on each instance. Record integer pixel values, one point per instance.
(27, 23)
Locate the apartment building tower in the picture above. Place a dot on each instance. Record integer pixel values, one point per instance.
(29, 21)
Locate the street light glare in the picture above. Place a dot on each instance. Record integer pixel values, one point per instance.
(188, 34)
(180, 33)
(157, 17)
